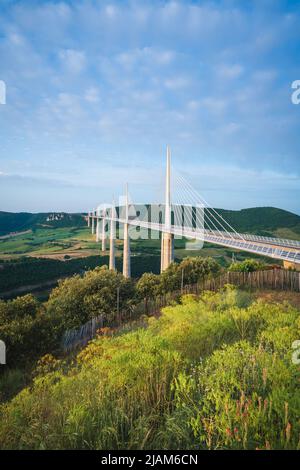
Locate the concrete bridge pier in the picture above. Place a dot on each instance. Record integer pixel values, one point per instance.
(126, 246)
(103, 236)
(89, 219)
(112, 254)
(97, 228)
(167, 250)
(167, 239)
(93, 222)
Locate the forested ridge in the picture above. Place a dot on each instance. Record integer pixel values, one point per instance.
(245, 220)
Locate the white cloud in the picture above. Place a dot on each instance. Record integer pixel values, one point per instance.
(73, 59)
(92, 95)
(266, 75)
(230, 128)
(214, 105)
(160, 72)
(146, 55)
(16, 39)
(230, 71)
(177, 83)
(193, 105)
(111, 11)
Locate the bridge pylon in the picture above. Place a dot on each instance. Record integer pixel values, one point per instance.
(97, 226)
(112, 254)
(167, 239)
(93, 222)
(103, 235)
(126, 246)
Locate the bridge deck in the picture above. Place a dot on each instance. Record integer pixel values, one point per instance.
(286, 250)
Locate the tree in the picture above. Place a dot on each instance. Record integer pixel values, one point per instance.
(171, 278)
(28, 336)
(21, 307)
(247, 266)
(191, 270)
(79, 299)
(148, 286)
(197, 268)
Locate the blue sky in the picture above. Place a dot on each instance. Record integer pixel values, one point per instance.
(96, 89)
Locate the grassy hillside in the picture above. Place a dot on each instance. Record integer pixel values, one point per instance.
(16, 222)
(210, 373)
(262, 220)
(253, 220)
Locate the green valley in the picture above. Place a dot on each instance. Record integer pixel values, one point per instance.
(45, 247)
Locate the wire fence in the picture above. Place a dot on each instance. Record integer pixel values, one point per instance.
(278, 279)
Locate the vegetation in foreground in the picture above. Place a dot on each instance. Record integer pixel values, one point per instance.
(210, 373)
(30, 328)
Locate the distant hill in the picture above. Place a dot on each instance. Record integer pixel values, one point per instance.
(16, 222)
(263, 221)
(259, 220)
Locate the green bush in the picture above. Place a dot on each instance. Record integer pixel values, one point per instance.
(247, 266)
(209, 373)
(79, 299)
(19, 308)
(189, 271)
(30, 329)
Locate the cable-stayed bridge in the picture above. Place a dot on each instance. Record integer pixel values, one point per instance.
(183, 214)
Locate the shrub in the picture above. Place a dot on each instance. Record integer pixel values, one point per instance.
(241, 398)
(78, 299)
(148, 286)
(213, 372)
(247, 266)
(21, 307)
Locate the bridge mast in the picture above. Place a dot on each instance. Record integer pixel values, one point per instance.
(103, 237)
(126, 246)
(93, 221)
(97, 225)
(112, 260)
(167, 251)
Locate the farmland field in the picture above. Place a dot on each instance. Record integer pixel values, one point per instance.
(38, 249)
(33, 262)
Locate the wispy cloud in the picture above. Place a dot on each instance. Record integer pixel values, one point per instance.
(74, 60)
(94, 82)
(227, 71)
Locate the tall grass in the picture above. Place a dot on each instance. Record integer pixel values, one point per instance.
(213, 372)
